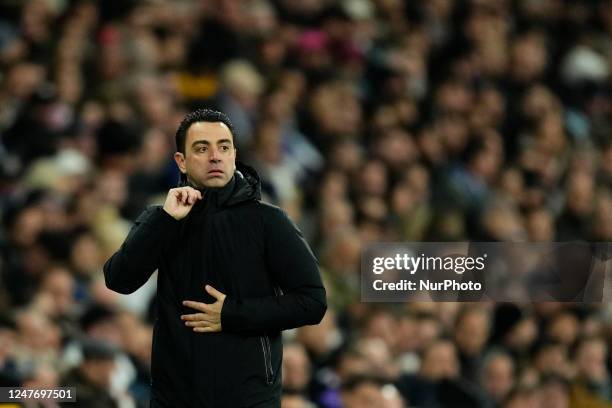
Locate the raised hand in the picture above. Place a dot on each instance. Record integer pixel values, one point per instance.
(180, 201)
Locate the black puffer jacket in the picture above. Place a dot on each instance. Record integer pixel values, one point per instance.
(248, 250)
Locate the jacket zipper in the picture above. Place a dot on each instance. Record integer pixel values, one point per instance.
(265, 345)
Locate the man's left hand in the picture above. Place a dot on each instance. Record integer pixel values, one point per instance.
(209, 318)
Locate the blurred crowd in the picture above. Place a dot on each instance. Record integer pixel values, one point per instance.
(367, 120)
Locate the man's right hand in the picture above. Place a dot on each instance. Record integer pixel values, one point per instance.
(180, 201)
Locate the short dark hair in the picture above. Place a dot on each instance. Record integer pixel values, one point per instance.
(200, 115)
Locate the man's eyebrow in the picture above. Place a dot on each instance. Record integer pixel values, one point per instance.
(206, 142)
(199, 142)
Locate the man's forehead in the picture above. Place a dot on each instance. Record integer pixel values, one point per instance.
(210, 131)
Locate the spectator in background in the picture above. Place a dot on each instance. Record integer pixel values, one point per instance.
(497, 376)
(523, 397)
(296, 368)
(555, 391)
(471, 334)
(92, 378)
(438, 382)
(291, 399)
(592, 381)
(241, 86)
(364, 391)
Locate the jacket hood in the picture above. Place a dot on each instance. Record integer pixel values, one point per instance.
(245, 185)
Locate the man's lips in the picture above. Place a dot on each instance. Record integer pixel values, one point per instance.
(215, 172)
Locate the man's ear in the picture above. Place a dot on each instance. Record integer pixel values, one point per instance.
(179, 158)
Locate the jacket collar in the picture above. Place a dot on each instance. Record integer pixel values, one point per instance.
(245, 185)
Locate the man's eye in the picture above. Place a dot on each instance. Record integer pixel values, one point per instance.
(201, 149)
(225, 148)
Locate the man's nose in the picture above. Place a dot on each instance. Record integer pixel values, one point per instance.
(214, 155)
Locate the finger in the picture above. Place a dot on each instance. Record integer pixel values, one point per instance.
(194, 195)
(208, 308)
(193, 317)
(198, 324)
(214, 292)
(200, 317)
(197, 194)
(188, 197)
(182, 196)
(207, 329)
(196, 305)
(177, 195)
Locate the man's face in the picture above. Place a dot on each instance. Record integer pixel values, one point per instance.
(498, 378)
(210, 155)
(472, 333)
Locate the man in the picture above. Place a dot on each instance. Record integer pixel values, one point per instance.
(232, 273)
(92, 378)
